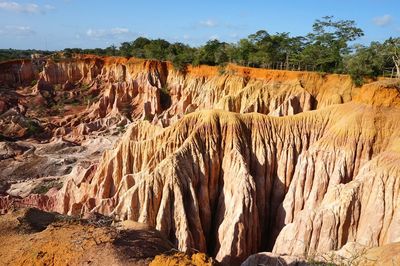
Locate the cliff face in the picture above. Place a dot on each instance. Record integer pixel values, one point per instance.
(231, 184)
(237, 162)
(17, 72)
(155, 90)
(114, 91)
(142, 85)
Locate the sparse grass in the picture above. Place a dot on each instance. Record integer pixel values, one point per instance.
(33, 128)
(74, 102)
(148, 118)
(121, 129)
(89, 99)
(58, 108)
(356, 258)
(41, 110)
(222, 70)
(85, 87)
(46, 185)
(56, 57)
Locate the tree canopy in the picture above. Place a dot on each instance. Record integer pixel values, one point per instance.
(329, 47)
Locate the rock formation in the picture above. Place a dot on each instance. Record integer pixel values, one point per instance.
(119, 89)
(232, 164)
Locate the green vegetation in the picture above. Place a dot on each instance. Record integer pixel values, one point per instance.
(12, 54)
(85, 87)
(329, 48)
(148, 117)
(325, 49)
(372, 61)
(121, 129)
(46, 185)
(33, 128)
(57, 108)
(89, 99)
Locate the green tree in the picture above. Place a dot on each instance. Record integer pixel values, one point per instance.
(365, 62)
(180, 55)
(138, 47)
(126, 49)
(111, 50)
(392, 48)
(371, 61)
(212, 53)
(244, 50)
(329, 42)
(157, 49)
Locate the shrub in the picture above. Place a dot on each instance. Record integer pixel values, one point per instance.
(221, 70)
(89, 99)
(46, 185)
(85, 87)
(33, 128)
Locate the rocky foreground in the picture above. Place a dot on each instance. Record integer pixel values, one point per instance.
(229, 162)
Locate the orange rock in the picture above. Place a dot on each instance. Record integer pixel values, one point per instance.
(232, 164)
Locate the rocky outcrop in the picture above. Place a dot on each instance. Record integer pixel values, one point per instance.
(17, 72)
(231, 184)
(232, 164)
(119, 90)
(267, 258)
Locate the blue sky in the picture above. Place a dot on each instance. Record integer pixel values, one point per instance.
(57, 24)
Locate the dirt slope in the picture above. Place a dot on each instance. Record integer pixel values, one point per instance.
(68, 241)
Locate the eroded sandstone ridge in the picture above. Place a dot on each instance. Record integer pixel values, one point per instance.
(238, 161)
(116, 89)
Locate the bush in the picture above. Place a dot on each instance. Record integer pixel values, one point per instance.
(222, 70)
(33, 128)
(179, 65)
(89, 99)
(85, 87)
(46, 185)
(58, 108)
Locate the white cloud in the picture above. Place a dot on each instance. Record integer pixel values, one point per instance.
(117, 31)
(20, 31)
(209, 23)
(214, 37)
(24, 8)
(383, 20)
(108, 33)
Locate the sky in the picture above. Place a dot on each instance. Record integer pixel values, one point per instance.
(58, 24)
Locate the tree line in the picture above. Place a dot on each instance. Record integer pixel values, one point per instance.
(11, 54)
(329, 47)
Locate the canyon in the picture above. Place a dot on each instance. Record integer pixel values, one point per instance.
(243, 164)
